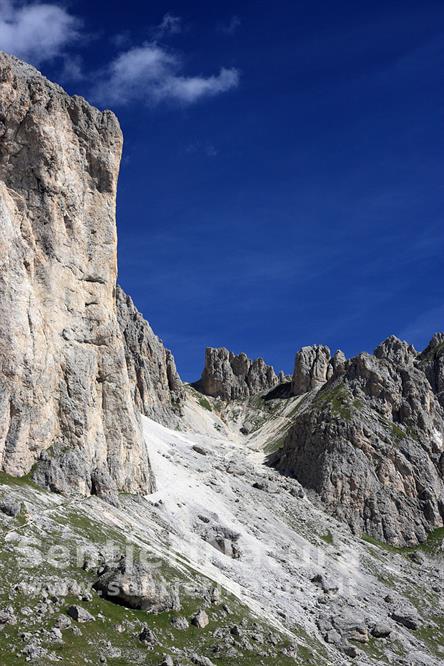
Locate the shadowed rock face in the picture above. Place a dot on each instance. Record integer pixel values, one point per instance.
(157, 390)
(370, 443)
(232, 377)
(431, 361)
(66, 400)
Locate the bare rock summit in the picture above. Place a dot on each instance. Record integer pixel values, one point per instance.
(230, 376)
(313, 367)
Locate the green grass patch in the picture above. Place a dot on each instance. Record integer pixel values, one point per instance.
(397, 432)
(432, 635)
(433, 545)
(203, 402)
(339, 399)
(21, 481)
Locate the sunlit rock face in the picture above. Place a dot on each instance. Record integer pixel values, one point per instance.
(230, 376)
(66, 401)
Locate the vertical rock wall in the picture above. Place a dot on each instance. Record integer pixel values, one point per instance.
(65, 395)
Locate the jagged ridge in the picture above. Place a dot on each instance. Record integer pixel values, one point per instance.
(369, 441)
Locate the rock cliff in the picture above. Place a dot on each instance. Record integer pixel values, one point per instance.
(66, 401)
(370, 442)
(156, 386)
(231, 377)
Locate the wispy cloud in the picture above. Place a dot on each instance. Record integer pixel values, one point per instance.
(204, 148)
(152, 74)
(36, 32)
(73, 69)
(170, 25)
(231, 26)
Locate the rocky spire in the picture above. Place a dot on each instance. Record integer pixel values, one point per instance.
(230, 376)
(313, 367)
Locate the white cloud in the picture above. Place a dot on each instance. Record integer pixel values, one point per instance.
(170, 25)
(73, 69)
(152, 74)
(35, 32)
(190, 89)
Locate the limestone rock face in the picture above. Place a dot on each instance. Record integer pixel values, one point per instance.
(230, 376)
(313, 367)
(157, 390)
(370, 442)
(65, 396)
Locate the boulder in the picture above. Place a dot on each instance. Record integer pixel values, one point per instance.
(328, 586)
(223, 539)
(147, 636)
(381, 630)
(7, 616)
(201, 661)
(407, 616)
(180, 622)
(80, 614)
(10, 506)
(351, 626)
(200, 619)
(167, 661)
(136, 586)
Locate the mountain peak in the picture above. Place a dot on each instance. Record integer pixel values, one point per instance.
(232, 376)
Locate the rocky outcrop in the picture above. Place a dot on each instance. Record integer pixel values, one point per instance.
(398, 352)
(231, 377)
(157, 390)
(313, 367)
(66, 401)
(370, 443)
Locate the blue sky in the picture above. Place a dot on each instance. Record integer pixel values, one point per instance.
(281, 183)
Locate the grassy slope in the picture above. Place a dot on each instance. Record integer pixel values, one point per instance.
(63, 523)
